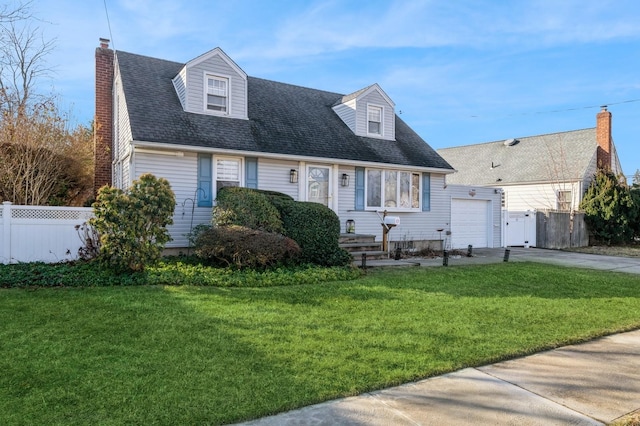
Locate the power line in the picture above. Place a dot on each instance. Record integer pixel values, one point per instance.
(106, 12)
(567, 109)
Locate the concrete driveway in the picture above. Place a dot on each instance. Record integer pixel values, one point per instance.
(519, 254)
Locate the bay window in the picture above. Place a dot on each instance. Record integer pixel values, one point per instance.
(392, 189)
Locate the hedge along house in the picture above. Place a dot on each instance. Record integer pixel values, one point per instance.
(205, 124)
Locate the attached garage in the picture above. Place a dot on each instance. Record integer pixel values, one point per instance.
(470, 223)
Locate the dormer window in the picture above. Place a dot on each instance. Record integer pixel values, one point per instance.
(217, 94)
(374, 118)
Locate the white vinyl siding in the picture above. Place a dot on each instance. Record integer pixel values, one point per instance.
(355, 113)
(414, 225)
(181, 172)
(121, 137)
(347, 112)
(196, 87)
(180, 84)
(273, 175)
(538, 196)
(375, 99)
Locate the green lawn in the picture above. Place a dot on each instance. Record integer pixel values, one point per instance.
(206, 355)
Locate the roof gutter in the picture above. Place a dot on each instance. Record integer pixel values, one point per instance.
(162, 148)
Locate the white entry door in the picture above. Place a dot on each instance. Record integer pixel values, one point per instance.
(318, 184)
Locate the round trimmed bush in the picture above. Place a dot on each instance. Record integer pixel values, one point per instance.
(245, 248)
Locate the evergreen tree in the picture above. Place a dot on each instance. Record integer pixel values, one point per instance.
(610, 211)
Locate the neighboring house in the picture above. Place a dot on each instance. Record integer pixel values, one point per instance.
(544, 172)
(205, 124)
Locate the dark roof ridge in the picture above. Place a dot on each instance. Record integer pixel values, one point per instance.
(328, 92)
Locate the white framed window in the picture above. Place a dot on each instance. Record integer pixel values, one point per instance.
(228, 172)
(318, 184)
(217, 94)
(392, 189)
(374, 120)
(564, 201)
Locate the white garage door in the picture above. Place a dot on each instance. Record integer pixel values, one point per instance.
(469, 223)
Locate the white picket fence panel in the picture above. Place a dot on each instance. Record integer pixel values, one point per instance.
(40, 233)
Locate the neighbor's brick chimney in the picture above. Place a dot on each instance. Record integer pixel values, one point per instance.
(103, 126)
(603, 136)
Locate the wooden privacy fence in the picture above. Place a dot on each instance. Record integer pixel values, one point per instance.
(559, 230)
(39, 233)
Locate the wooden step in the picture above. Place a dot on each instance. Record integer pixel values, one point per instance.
(356, 238)
(371, 246)
(371, 255)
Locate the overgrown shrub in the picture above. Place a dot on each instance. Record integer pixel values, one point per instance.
(609, 209)
(246, 207)
(90, 238)
(195, 232)
(245, 248)
(316, 229)
(133, 224)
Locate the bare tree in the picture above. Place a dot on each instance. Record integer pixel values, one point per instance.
(41, 161)
(22, 60)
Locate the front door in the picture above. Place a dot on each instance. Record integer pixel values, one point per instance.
(318, 184)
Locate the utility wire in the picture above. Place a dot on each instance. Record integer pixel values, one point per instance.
(566, 109)
(106, 12)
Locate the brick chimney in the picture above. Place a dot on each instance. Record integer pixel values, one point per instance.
(103, 125)
(603, 136)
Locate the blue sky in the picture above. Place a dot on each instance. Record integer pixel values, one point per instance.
(460, 72)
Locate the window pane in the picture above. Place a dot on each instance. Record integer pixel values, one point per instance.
(217, 87)
(216, 94)
(223, 183)
(415, 191)
(375, 114)
(405, 190)
(374, 188)
(216, 103)
(391, 189)
(564, 200)
(227, 169)
(318, 185)
(374, 119)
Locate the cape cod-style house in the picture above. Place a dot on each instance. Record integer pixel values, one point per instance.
(205, 124)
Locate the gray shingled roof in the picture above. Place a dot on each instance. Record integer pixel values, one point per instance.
(555, 157)
(283, 119)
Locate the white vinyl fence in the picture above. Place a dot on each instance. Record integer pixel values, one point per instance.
(40, 234)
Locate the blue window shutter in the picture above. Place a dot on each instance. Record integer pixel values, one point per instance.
(426, 192)
(359, 188)
(251, 172)
(204, 180)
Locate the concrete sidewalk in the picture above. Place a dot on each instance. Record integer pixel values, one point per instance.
(592, 383)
